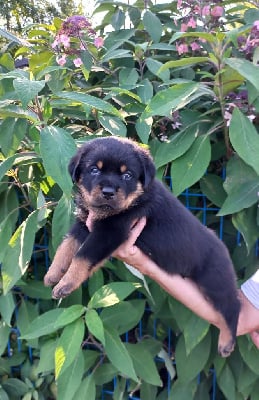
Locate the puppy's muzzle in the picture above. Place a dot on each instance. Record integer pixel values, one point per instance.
(108, 192)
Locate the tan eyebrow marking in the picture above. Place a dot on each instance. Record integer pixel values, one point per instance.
(99, 164)
(123, 168)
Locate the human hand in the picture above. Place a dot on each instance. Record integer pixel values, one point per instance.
(128, 251)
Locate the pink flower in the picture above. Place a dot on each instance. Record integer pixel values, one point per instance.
(192, 23)
(182, 48)
(77, 62)
(256, 25)
(64, 39)
(217, 11)
(61, 60)
(205, 11)
(98, 42)
(184, 27)
(179, 3)
(195, 46)
(55, 43)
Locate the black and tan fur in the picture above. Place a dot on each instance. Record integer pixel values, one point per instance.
(116, 182)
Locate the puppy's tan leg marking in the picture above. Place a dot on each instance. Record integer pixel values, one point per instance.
(61, 261)
(77, 273)
(226, 342)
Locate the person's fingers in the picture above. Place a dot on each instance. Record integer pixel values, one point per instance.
(128, 249)
(136, 230)
(255, 338)
(90, 220)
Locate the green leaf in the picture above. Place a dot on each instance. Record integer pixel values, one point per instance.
(176, 147)
(194, 331)
(226, 382)
(57, 147)
(14, 111)
(145, 90)
(27, 90)
(209, 37)
(145, 370)
(116, 39)
(168, 100)
(6, 165)
(68, 346)
(245, 139)
(241, 197)
(19, 251)
(62, 220)
(190, 167)
(123, 316)
(188, 366)
(5, 331)
(154, 66)
(143, 128)
(6, 229)
(180, 390)
(237, 174)
(105, 373)
(249, 353)
(95, 325)
(113, 54)
(15, 387)
(112, 293)
(212, 186)
(183, 62)
(228, 80)
(245, 68)
(53, 320)
(91, 101)
(118, 354)
(36, 290)
(245, 222)
(118, 19)
(152, 25)
(27, 313)
(128, 78)
(7, 306)
(12, 131)
(70, 380)
(113, 125)
(46, 359)
(87, 389)
(13, 38)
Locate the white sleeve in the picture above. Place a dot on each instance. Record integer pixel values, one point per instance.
(251, 289)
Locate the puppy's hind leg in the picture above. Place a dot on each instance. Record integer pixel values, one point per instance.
(219, 288)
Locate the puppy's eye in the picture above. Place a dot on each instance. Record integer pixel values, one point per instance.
(127, 176)
(95, 170)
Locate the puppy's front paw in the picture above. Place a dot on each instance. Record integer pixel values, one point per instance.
(61, 291)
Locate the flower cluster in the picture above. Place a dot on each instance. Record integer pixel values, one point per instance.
(247, 45)
(197, 13)
(239, 100)
(78, 28)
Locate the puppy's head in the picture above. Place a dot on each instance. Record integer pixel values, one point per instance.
(111, 174)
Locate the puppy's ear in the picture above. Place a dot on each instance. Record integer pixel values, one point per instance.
(74, 167)
(148, 169)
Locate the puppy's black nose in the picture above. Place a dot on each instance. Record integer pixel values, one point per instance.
(108, 192)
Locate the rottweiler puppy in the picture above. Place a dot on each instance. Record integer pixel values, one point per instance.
(116, 182)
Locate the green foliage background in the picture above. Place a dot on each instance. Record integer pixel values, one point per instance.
(191, 113)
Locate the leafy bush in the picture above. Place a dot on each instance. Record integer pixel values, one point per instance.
(183, 78)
